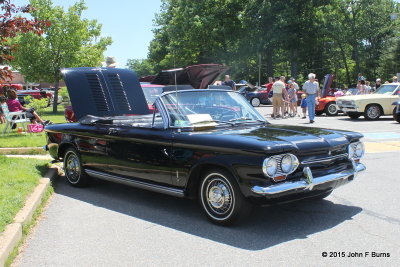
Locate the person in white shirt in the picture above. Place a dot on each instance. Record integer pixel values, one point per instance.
(311, 88)
(279, 91)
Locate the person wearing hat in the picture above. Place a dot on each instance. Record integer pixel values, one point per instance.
(378, 83)
(110, 62)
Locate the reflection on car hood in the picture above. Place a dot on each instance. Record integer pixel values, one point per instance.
(272, 138)
(364, 97)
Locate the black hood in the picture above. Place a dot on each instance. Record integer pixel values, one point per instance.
(104, 92)
(273, 139)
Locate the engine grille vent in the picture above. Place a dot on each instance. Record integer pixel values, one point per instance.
(118, 92)
(97, 92)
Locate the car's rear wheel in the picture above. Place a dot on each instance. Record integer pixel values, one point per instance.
(255, 102)
(353, 116)
(221, 199)
(73, 169)
(372, 112)
(331, 109)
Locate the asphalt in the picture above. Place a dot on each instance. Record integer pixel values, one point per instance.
(112, 225)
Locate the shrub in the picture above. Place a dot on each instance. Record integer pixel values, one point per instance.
(37, 104)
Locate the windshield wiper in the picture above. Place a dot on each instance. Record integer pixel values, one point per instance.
(246, 119)
(210, 121)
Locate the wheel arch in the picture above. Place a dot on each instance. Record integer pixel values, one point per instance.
(198, 170)
(379, 105)
(63, 147)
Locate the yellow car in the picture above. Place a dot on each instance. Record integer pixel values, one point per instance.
(371, 106)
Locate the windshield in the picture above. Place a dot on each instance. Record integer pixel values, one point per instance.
(151, 93)
(209, 108)
(386, 89)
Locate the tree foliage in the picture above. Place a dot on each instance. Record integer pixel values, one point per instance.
(70, 41)
(11, 24)
(283, 37)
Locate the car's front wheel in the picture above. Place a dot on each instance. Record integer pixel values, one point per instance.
(372, 112)
(255, 102)
(73, 169)
(221, 199)
(331, 109)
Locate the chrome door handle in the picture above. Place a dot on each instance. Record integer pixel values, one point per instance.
(165, 152)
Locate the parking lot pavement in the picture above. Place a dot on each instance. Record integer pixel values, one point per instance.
(112, 225)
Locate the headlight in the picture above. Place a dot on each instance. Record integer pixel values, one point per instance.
(286, 163)
(270, 167)
(359, 150)
(280, 165)
(356, 150)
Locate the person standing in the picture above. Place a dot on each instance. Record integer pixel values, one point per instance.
(368, 88)
(395, 79)
(361, 87)
(378, 84)
(279, 91)
(269, 84)
(311, 88)
(228, 81)
(110, 62)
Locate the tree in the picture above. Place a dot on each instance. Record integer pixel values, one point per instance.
(12, 24)
(142, 67)
(70, 41)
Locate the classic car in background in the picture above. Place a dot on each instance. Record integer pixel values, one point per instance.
(35, 93)
(195, 76)
(206, 144)
(327, 101)
(255, 95)
(371, 106)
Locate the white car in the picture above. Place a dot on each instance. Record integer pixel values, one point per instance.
(371, 106)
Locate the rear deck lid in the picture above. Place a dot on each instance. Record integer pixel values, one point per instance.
(104, 92)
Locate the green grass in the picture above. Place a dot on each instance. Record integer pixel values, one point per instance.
(14, 139)
(27, 228)
(17, 180)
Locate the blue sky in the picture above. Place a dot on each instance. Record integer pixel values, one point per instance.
(127, 22)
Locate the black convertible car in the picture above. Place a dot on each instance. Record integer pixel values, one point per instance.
(206, 144)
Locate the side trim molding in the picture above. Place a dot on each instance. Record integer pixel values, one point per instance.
(134, 183)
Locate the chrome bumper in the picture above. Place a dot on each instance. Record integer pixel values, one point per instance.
(309, 182)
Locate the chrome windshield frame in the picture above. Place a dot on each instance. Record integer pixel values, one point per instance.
(160, 104)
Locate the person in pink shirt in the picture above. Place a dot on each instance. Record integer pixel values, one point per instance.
(14, 105)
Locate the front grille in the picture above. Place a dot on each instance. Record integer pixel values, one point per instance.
(345, 103)
(322, 168)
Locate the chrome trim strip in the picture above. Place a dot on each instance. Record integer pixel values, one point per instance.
(345, 155)
(135, 183)
(308, 183)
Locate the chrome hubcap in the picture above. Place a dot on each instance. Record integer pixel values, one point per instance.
(72, 168)
(219, 196)
(255, 101)
(332, 109)
(373, 112)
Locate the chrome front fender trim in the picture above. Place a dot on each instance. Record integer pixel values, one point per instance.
(309, 182)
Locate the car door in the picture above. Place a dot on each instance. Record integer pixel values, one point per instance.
(140, 153)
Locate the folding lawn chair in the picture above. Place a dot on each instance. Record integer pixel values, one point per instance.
(13, 117)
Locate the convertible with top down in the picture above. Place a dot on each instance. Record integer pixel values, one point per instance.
(208, 144)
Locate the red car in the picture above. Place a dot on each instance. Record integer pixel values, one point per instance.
(327, 101)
